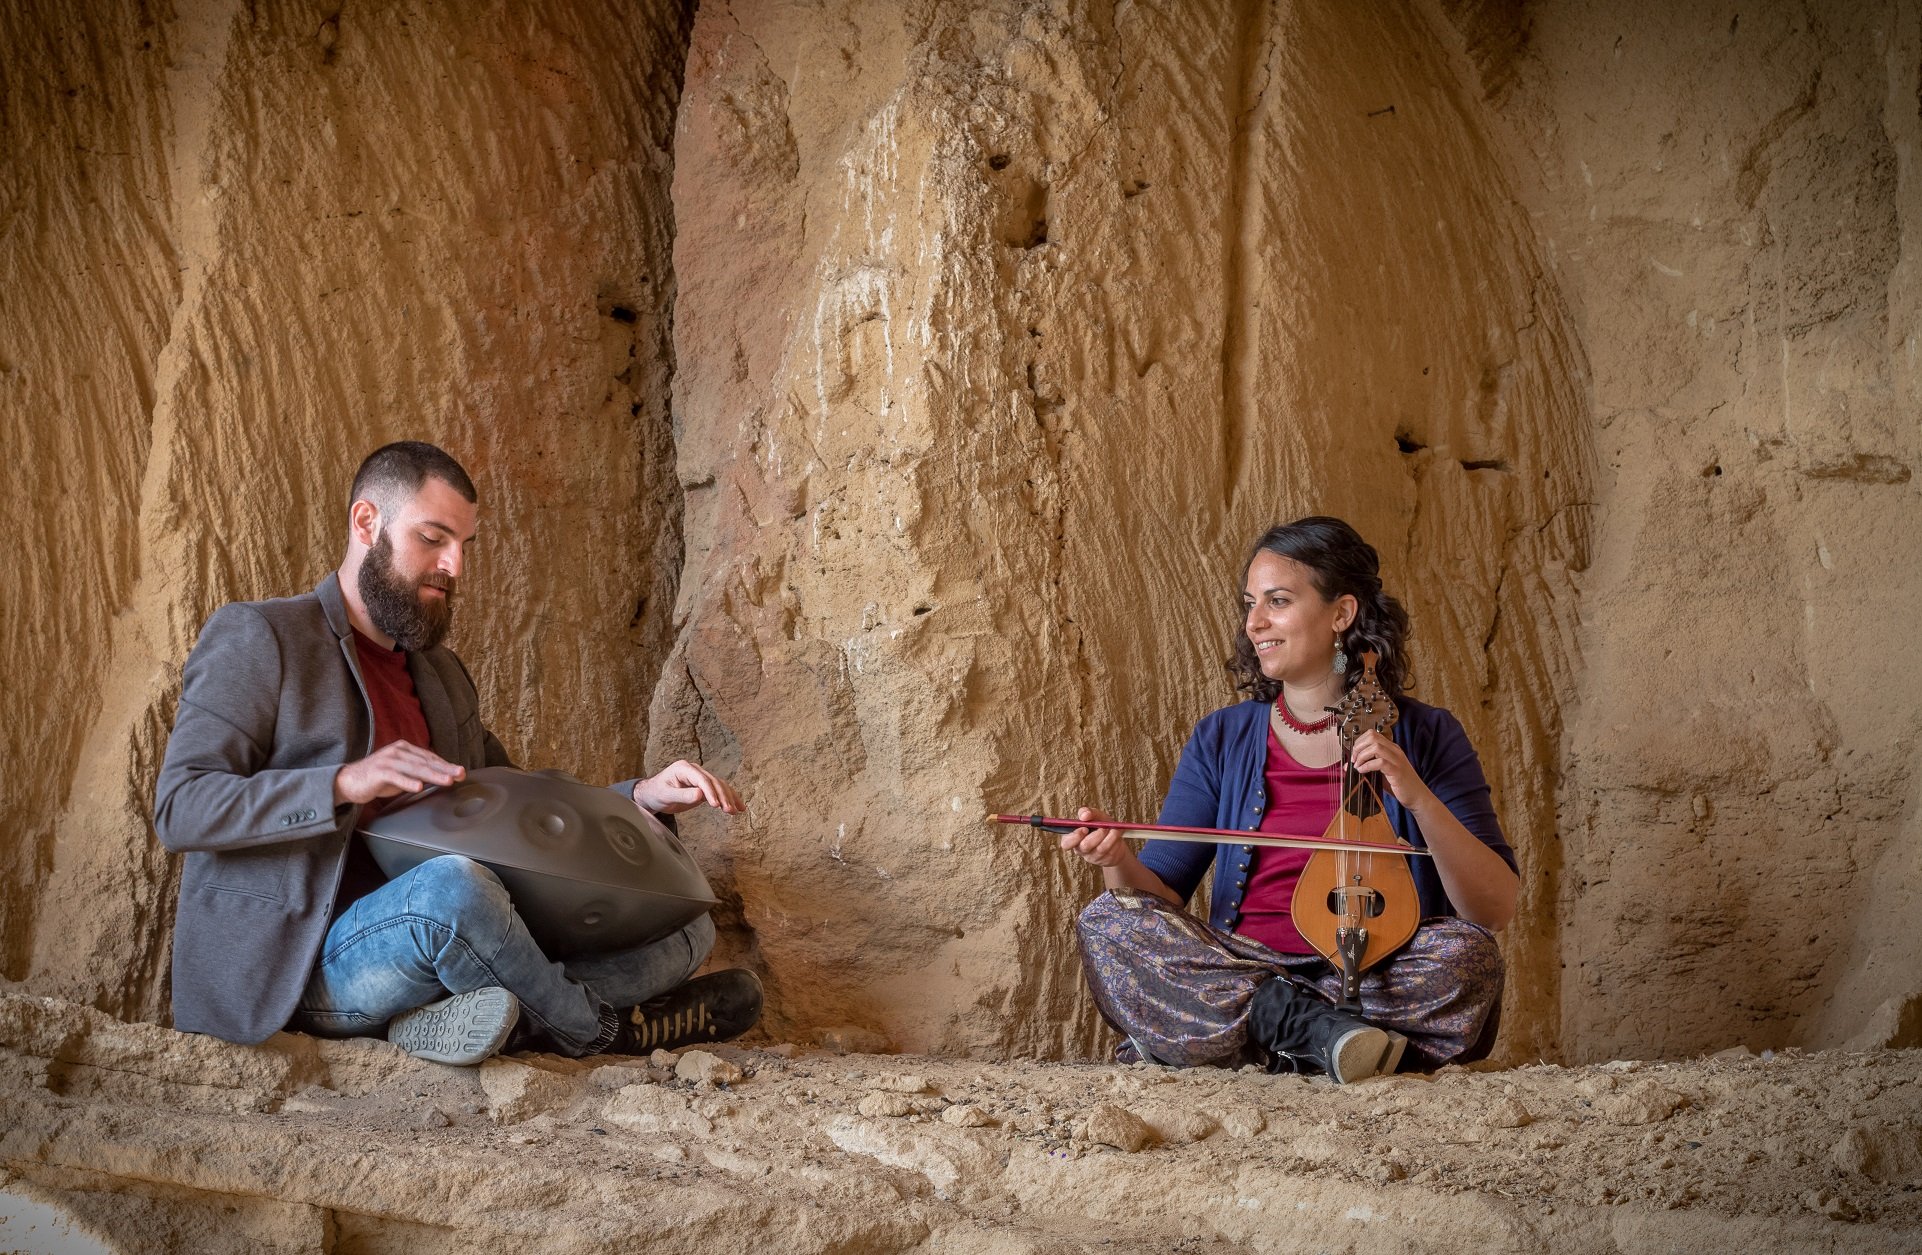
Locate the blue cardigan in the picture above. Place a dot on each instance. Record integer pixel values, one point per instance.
(1219, 784)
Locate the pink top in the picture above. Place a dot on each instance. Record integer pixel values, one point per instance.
(1301, 803)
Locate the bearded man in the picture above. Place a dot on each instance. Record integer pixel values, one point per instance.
(298, 717)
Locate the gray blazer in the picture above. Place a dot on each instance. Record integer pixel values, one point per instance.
(272, 706)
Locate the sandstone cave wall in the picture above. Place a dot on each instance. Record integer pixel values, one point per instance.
(243, 245)
(1729, 194)
(1001, 330)
(992, 333)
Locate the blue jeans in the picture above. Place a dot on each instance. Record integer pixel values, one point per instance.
(447, 927)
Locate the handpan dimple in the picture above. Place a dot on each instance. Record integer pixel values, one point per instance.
(551, 825)
(467, 805)
(593, 916)
(628, 841)
(587, 870)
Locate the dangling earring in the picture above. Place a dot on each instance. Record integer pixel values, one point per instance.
(1341, 659)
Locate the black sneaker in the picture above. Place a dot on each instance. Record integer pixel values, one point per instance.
(462, 1030)
(1303, 1032)
(715, 1007)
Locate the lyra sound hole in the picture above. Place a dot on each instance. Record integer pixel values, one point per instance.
(1367, 903)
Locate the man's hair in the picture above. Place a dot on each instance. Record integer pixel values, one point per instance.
(393, 473)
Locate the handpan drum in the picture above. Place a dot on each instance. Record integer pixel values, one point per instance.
(587, 870)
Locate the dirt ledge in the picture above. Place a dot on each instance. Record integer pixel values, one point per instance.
(144, 1139)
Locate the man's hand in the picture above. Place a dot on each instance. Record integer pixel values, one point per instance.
(391, 770)
(683, 786)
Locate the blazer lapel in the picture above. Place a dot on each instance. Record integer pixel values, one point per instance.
(334, 606)
(443, 726)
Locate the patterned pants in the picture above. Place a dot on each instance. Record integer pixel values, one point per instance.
(1178, 990)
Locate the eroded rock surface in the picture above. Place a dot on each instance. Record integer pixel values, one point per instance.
(1002, 329)
(991, 334)
(245, 246)
(1732, 207)
(300, 1145)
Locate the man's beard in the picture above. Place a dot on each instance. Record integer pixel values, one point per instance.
(394, 602)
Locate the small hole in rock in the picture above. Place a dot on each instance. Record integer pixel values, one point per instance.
(999, 161)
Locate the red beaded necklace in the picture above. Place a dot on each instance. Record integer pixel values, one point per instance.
(1295, 725)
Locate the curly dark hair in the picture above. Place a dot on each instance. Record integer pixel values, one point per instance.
(1339, 561)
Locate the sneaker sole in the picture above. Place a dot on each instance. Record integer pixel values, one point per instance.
(1366, 1052)
(463, 1030)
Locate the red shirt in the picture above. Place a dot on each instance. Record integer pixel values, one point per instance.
(390, 689)
(397, 717)
(1301, 803)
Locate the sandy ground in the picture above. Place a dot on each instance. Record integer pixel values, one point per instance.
(137, 1138)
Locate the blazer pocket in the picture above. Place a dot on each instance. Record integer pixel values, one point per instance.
(255, 873)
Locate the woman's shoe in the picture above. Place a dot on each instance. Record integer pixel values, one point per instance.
(1301, 1031)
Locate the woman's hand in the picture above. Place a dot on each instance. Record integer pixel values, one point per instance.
(1377, 751)
(1480, 885)
(682, 786)
(1102, 847)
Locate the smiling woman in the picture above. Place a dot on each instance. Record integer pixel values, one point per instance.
(1294, 759)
